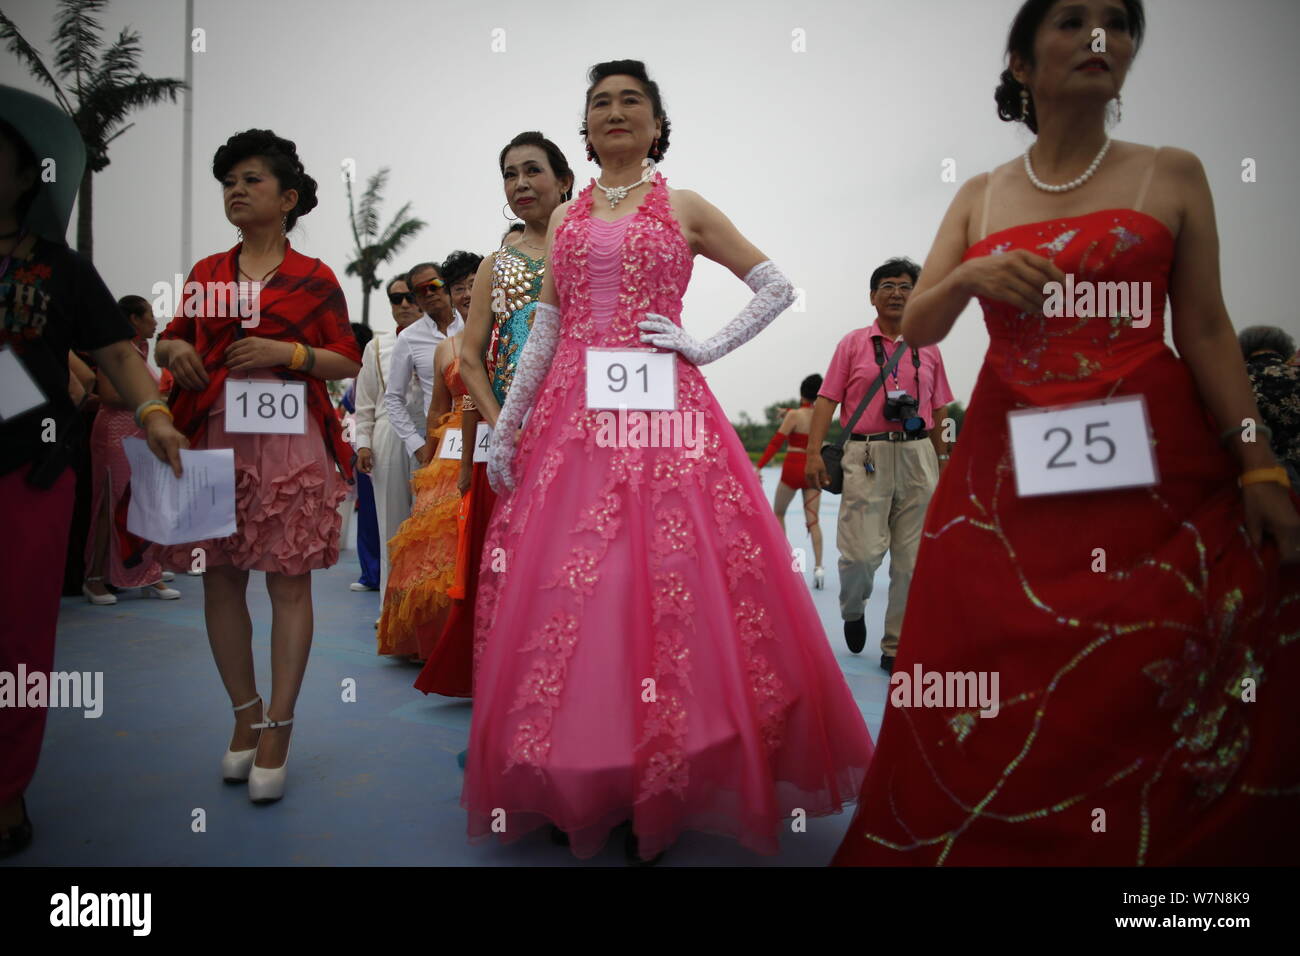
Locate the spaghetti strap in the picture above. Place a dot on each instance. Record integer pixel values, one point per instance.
(984, 217)
(1146, 180)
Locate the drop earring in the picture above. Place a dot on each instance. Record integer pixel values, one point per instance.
(1119, 108)
(591, 153)
(239, 235)
(284, 226)
(1024, 105)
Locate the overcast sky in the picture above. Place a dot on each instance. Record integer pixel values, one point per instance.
(829, 159)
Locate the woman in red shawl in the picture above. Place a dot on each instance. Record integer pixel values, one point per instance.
(291, 327)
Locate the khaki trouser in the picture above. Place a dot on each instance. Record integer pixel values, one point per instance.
(880, 512)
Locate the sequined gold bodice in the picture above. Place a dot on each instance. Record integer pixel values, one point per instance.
(516, 284)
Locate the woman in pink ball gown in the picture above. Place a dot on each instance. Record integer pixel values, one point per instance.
(646, 649)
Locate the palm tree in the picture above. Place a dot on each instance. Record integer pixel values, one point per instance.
(107, 85)
(373, 249)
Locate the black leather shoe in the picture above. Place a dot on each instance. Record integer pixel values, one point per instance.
(855, 633)
(887, 663)
(16, 838)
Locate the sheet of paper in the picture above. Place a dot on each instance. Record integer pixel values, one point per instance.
(169, 510)
(18, 392)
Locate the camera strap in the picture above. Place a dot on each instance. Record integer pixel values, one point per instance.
(893, 363)
(871, 391)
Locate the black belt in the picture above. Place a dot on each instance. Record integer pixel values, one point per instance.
(891, 436)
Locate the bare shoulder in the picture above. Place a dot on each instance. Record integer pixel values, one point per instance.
(1179, 163)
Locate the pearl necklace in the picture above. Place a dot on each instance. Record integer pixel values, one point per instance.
(616, 194)
(1073, 183)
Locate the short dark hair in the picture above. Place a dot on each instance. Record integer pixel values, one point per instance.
(1020, 41)
(895, 267)
(554, 156)
(1265, 338)
(423, 265)
(810, 386)
(400, 277)
(363, 333)
(281, 155)
(133, 305)
(635, 69)
(459, 266)
(26, 160)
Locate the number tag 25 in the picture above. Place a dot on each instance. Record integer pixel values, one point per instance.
(1088, 446)
(266, 407)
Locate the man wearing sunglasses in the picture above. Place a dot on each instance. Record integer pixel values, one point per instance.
(381, 454)
(413, 358)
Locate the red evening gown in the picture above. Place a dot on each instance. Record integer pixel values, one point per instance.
(1122, 736)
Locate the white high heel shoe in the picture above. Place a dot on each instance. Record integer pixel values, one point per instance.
(93, 598)
(819, 578)
(236, 764)
(266, 784)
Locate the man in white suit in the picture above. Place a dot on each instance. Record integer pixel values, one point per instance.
(380, 453)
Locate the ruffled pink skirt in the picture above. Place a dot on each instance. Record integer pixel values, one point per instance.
(287, 493)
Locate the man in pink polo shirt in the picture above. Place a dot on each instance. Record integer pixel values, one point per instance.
(893, 458)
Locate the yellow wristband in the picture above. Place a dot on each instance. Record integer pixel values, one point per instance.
(299, 356)
(147, 408)
(1258, 475)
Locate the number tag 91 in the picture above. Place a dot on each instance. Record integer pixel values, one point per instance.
(631, 378)
(1089, 446)
(266, 407)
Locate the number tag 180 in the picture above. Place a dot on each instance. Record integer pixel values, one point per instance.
(266, 407)
(1089, 446)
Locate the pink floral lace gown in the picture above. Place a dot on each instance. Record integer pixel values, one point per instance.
(611, 567)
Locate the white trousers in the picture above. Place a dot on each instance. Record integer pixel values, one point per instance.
(392, 481)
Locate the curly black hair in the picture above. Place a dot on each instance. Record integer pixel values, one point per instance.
(281, 155)
(1020, 41)
(459, 266)
(636, 70)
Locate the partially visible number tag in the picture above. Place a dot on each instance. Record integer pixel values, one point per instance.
(451, 445)
(19, 392)
(1090, 446)
(631, 378)
(265, 407)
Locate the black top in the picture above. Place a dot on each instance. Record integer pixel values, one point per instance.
(51, 302)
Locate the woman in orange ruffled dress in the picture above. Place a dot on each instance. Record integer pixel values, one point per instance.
(422, 554)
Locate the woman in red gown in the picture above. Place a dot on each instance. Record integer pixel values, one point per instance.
(1143, 639)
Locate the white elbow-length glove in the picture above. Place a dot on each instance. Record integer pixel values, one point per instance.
(772, 296)
(534, 363)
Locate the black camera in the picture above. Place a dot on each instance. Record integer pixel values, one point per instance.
(905, 408)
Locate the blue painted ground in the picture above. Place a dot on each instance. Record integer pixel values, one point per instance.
(373, 782)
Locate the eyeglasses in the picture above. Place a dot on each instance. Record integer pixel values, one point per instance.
(428, 288)
(397, 298)
(891, 287)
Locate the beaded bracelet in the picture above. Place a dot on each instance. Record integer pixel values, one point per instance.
(1238, 429)
(149, 406)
